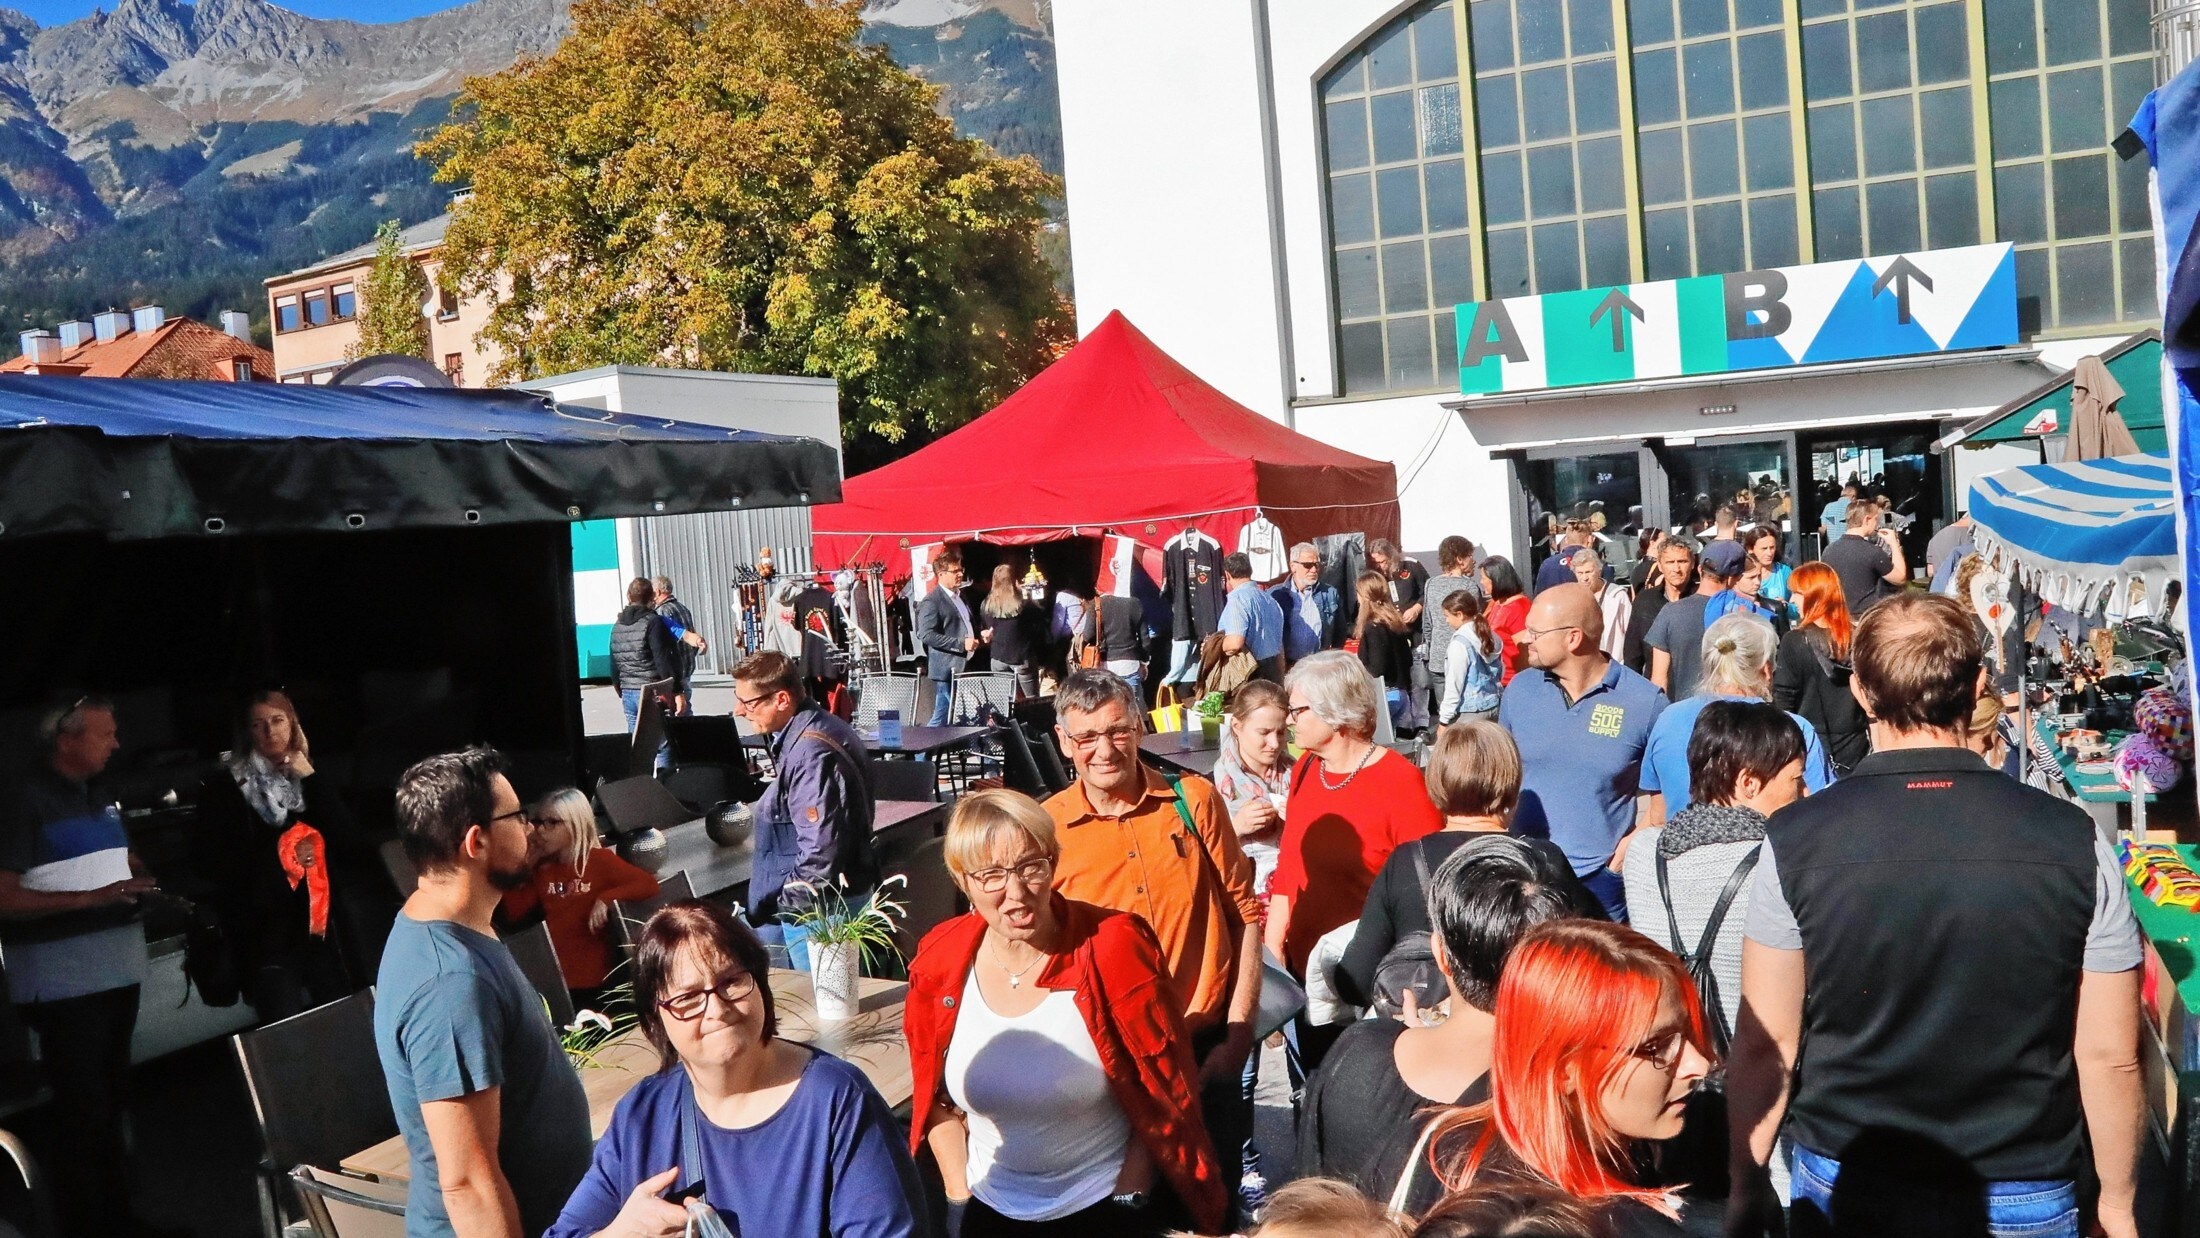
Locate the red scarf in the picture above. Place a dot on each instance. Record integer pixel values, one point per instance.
(315, 877)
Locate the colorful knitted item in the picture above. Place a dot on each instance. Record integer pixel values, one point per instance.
(2138, 756)
(2162, 715)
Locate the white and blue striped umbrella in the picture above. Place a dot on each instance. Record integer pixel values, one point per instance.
(2079, 534)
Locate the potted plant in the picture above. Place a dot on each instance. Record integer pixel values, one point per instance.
(591, 1032)
(1210, 714)
(843, 936)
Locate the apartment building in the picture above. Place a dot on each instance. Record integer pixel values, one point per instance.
(146, 343)
(314, 314)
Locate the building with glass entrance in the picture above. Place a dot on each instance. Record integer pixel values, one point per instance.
(1295, 197)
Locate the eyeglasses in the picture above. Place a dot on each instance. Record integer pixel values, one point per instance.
(1310, 563)
(689, 1006)
(1536, 634)
(1662, 1051)
(1291, 715)
(1031, 874)
(521, 813)
(1086, 741)
(747, 703)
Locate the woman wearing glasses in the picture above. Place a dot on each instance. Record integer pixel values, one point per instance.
(1053, 1079)
(777, 1138)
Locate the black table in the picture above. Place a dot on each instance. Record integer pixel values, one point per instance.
(919, 741)
(722, 872)
(1191, 752)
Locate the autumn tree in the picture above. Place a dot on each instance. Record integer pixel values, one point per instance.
(744, 185)
(391, 316)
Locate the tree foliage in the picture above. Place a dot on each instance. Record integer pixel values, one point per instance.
(392, 315)
(743, 185)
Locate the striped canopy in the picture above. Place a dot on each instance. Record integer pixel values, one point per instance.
(2084, 535)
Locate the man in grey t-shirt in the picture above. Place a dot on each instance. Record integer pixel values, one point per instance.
(493, 1114)
(1675, 638)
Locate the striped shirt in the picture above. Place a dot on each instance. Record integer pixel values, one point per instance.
(57, 836)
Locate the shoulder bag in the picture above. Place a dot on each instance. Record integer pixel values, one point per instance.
(1281, 998)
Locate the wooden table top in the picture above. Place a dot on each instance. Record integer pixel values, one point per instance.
(872, 1041)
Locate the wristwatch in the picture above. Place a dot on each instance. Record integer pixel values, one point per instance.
(1133, 1200)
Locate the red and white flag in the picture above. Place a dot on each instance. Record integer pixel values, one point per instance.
(920, 570)
(1118, 559)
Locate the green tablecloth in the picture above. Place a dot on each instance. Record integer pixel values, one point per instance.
(2098, 788)
(2173, 932)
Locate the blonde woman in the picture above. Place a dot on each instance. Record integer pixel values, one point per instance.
(1013, 630)
(574, 883)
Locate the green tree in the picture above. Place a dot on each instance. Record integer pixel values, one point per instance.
(742, 185)
(390, 317)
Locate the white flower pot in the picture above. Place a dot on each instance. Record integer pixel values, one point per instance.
(833, 972)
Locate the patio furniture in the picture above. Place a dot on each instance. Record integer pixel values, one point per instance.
(316, 1086)
(537, 957)
(340, 1206)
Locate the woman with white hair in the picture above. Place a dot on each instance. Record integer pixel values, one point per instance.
(574, 884)
(1351, 803)
(1738, 652)
(1613, 598)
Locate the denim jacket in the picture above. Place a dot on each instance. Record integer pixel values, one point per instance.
(1294, 624)
(1471, 677)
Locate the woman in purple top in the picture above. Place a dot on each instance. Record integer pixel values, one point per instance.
(778, 1138)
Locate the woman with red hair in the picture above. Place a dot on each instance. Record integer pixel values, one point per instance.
(1599, 1041)
(1810, 677)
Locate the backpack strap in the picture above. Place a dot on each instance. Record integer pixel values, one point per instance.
(1665, 895)
(1726, 901)
(1403, 1191)
(1199, 847)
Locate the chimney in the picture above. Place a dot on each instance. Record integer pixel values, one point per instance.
(40, 348)
(111, 325)
(148, 318)
(74, 334)
(237, 324)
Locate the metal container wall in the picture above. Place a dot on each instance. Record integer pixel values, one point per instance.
(699, 553)
(2176, 37)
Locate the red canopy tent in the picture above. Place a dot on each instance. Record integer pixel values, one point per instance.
(1115, 437)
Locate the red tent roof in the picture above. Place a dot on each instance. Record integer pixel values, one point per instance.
(1114, 437)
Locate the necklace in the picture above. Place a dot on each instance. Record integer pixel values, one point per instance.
(1015, 978)
(1321, 771)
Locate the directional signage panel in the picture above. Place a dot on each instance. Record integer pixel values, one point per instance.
(1943, 300)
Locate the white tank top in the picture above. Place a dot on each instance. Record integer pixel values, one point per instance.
(1046, 1136)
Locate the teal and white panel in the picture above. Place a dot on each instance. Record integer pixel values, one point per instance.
(599, 590)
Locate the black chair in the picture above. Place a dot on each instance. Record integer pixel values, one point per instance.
(632, 805)
(341, 1206)
(1053, 775)
(629, 917)
(404, 874)
(917, 779)
(38, 1219)
(1022, 765)
(315, 1082)
(537, 957)
(931, 897)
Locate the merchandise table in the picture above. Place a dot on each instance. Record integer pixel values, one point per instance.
(2169, 1057)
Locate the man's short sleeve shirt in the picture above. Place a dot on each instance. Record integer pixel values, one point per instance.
(1581, 760)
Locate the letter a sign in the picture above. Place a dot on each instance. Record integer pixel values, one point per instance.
(1945, 300)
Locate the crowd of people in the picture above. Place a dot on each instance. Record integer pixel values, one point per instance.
(1700, 903)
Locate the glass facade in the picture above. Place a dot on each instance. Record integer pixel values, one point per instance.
(1614, 141)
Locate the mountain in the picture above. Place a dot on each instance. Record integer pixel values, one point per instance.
(181, 153)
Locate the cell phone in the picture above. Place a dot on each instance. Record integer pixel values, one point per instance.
(693, 1190)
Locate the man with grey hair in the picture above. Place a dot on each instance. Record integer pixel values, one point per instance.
(1161, 847)
(1738, 652)
(1309, 606)
(681, 621)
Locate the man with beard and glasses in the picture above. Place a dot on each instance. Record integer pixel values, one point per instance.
(493, 1115)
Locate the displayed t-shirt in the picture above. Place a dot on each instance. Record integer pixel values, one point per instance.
(60, 836)
(1678, 630)
(1580, 760)
(1191, 571)
(1862, 563)
(454, 1015)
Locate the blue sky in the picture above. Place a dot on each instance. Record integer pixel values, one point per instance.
(56, 12)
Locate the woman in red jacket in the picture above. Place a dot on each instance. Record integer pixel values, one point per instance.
(1053, 1081)
(575, 882)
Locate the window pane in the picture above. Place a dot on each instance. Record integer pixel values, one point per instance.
(1943, 44)
(1592, 26)
(346, 302)
(2128, 84)
(1351, 209)
(2014, 107)
(2132, 212)
(1651, 21)
(1596, 97)
(1951, 210)
(1543, 105)
(1504, 192)
(2128, 30)
(1604, 244)
(1405, 278)
(2032, 289)
(1772, 232)
(1435, 46)
(1603, 176)
(1348, 134)
(1826, 61)
(1749, 14)
(1349, 78)
(2085, 286)
(1542, 32)
(1771, 151)
(1509, 262)
(1719, 238)
(1665, 241)
(1824, 8)
(1710, 70)
(1451, 269)
(2020, 203)
(1361, 344)
(2081, 196)
(1889, 145)
(1664, 174)
(1837, 223)
(1944, 119)
(1700, 17)
(1657, 89)
(1440, 121)
(1493, 34)
(1447, 348)
(2140, 299)
(316, 308)
(1557, 257)
(2072, 34)
(1447, 195)
(1496, 111)
(1394, 136)
(1893, 217)
(1764, 70)
(2076, 119)
(2012, 41)
(1883, 52)
(1359, 292)
(1713, 167)
(1398, 201)
(1833, 143)
(286, 317)
(1551, 181)
(1390, 61)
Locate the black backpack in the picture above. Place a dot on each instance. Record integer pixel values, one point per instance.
(1698, 961)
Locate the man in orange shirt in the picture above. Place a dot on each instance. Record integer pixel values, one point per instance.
(1134, 842)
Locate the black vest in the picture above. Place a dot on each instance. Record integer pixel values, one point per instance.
(1944, 909)
(633, 663)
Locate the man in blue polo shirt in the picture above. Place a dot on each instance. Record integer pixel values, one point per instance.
(1582, 722)
(1251, 620)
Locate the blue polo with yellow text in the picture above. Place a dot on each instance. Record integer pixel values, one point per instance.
(1581, 760)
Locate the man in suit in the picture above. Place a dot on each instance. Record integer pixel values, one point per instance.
(945, 631)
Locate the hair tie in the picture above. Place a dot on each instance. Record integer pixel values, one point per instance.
(1724, 644)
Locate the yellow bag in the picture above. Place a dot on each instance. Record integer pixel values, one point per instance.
(1166, 719)
(1164, 696)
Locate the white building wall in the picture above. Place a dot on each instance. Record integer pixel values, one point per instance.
(1446, 482)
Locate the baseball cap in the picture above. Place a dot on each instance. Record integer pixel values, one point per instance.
(1724, 559)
